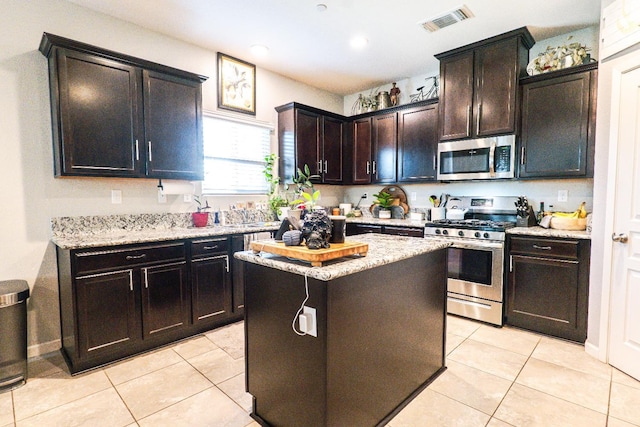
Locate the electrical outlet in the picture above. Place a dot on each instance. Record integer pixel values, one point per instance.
(116, 197)
(414, 196)
(162, 198)
(186, 198)
(563, 195)
(308, 321)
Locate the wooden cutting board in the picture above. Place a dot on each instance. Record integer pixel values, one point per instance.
(315, 256)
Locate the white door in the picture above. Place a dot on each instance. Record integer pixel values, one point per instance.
(624, 328)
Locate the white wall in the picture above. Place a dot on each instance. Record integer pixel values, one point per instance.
(30, 194)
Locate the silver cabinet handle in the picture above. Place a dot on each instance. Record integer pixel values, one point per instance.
(620, 238)
(320, 166)
(146, 278)
(368, 167)
(210, 248)
(542, 248)
(137, 151)
(469, 118)
(374, 167)
(325, 166)
(478, 119)
(136, 256)
(522, 156)
(150, 155)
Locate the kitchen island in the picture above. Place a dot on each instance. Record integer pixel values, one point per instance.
(380, 332)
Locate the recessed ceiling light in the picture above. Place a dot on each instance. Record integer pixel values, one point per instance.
(321, 7)
(358, 42)
(259, 50)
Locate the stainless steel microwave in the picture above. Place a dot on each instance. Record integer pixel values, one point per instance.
(485, 158)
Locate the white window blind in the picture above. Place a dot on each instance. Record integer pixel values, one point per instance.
(234, 152)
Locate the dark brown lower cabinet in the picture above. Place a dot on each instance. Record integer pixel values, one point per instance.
(121, 300)
(211, 287)
(356, 228)
(548, 284)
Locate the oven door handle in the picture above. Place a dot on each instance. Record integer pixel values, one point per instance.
(492, 159)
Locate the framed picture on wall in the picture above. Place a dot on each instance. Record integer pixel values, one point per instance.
(236, 85)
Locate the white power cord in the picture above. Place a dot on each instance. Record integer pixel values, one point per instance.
(306, 290)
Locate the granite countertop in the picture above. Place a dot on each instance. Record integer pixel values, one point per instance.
(126, 237)
(383, 249)
(394, 222)
(549, 232)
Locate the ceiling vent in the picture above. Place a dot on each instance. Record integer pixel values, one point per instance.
(459, 14)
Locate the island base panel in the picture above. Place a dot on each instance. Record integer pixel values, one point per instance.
(380, 341)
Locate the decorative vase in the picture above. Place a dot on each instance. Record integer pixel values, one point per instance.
(384, 214)
(284, 212)
(200, 219)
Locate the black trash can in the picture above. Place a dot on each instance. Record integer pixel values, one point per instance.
(13, 333)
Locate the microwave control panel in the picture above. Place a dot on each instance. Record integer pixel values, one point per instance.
(503, 158)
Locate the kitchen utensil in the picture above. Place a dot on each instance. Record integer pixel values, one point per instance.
(434, 200)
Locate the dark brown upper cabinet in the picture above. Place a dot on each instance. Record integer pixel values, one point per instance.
(118, 116)
(385, 144)
(313, 137)
(558, 123)
(418, 143)
(479, 86)
(361, 131)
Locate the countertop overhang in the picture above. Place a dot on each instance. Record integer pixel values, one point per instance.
(127, 237)
(383, 249)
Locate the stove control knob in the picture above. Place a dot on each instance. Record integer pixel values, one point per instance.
(437, 231)
(460, 233)
(477, 234)
(486, 235)
(445, 232)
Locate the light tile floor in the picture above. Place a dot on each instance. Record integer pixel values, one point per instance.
(496, 377)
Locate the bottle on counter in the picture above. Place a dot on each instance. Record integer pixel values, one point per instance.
(540, 212)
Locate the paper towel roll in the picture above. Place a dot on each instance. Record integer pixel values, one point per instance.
(178, 187)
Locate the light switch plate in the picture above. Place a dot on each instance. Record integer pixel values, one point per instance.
(162, 198)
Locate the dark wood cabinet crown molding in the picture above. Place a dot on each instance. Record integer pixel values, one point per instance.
(523, 33)
(49, 41)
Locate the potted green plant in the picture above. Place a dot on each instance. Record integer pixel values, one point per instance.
(275, 200)
(200, 218)
(307, 195)
(383, 202)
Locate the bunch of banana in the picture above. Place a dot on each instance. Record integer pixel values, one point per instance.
(581, 212)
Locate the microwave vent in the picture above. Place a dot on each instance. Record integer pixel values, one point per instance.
(459, 14)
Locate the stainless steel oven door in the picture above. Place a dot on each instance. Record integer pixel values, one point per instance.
(475, 268)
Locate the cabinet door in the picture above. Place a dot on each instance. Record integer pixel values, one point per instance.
(556, 140)
(496, 81)
(107, 313)
(545, 295)
(165, 298)
(418, 144)
(99, 113)
(362, 151)
(353, 229)
(308, 145)
(173, 127)
(456, 85)
(403, 231)
(210, 288)
(332, 143)
(384, 148)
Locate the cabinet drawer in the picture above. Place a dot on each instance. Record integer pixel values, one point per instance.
(94, 260)
(404, 231)
(208, 246)
(545, 247)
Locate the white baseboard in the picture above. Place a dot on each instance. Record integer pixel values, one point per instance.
(593, 350)
(43, 348)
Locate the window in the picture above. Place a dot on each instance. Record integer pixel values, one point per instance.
(234, 152)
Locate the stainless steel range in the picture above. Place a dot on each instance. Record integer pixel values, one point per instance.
(476, 257)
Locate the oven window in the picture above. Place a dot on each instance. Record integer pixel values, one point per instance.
(465, 161)
(470, 265)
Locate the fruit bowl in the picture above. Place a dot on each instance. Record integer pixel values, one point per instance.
(562, 223)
